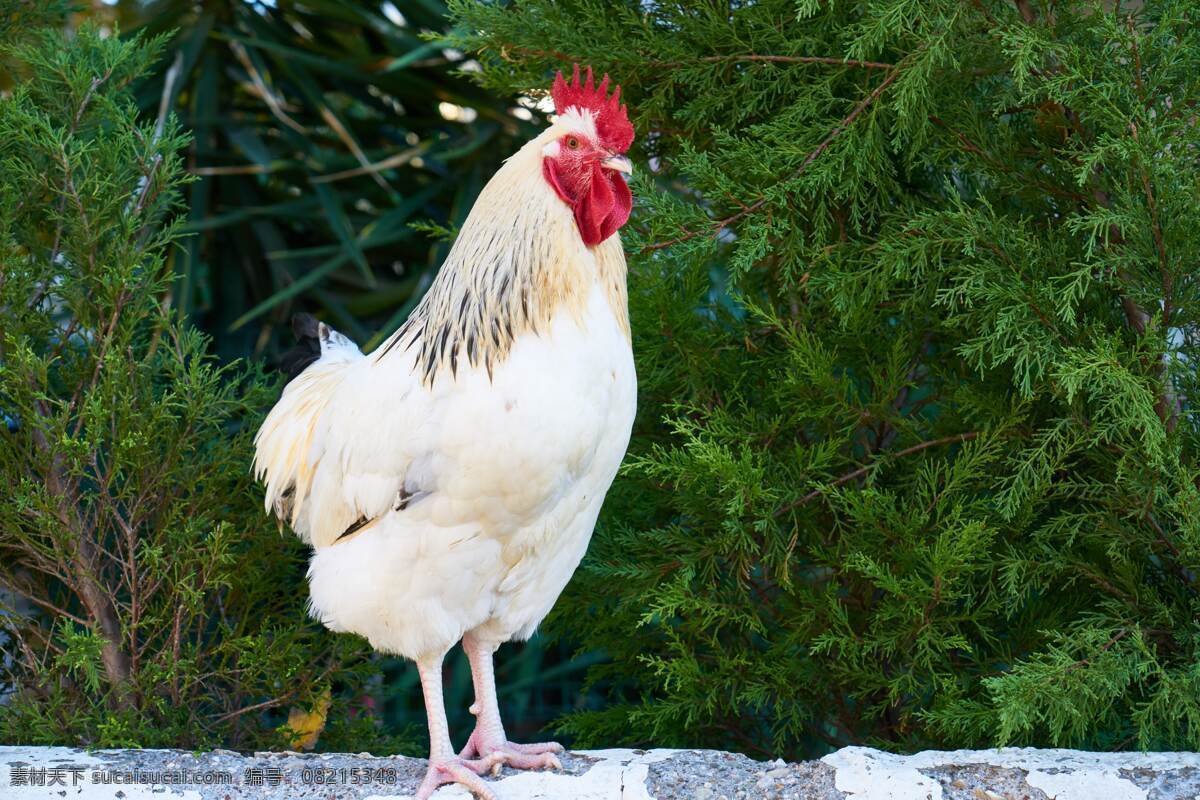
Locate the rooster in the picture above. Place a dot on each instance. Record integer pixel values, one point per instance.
(449, 481)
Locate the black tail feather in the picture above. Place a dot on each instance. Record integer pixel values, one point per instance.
(307, 349)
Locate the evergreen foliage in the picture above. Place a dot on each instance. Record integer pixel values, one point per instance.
(144, 597)
(915, 309)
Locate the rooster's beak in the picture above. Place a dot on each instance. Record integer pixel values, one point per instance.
(618, 163)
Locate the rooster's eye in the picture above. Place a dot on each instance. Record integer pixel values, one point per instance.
(572, 143)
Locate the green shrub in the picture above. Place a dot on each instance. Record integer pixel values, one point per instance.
(915, 308)
(147, 600)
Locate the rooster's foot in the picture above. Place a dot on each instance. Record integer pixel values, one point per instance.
(462, 771)
(518, 756)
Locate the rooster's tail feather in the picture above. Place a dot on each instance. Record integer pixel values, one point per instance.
(284, 445)
(307, 348)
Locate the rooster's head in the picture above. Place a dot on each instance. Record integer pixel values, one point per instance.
(584, 164)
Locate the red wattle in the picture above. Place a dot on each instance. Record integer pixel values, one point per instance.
(602, 208)
(622, 206)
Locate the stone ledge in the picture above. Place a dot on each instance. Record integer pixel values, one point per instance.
(857, 773)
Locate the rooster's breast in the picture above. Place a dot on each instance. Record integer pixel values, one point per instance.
(548, 428)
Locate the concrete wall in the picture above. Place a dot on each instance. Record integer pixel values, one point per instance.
(861, 773)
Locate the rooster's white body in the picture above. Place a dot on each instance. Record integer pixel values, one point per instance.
(449, 482)
(506, 481)
(499, 477)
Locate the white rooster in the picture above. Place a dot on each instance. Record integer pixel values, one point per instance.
(449, 481)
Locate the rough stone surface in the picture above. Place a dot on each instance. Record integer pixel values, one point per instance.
(1015, 774)
(854, 773)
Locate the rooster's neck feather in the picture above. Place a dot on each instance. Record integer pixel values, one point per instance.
(518, 260)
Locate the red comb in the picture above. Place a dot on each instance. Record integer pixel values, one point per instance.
(612, 122)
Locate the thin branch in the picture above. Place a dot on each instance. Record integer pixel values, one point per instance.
(48, 606)
(83, 550)
(887, 432)
(1104, 648)
(716, 227)
(79, 112)
(840, 62)
(277, 701)
(97, 82)
(1001, 167)
(1168, 404)
(858, 473)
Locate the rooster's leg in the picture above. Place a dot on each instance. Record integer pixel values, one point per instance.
(489, 739)
(444, 766)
